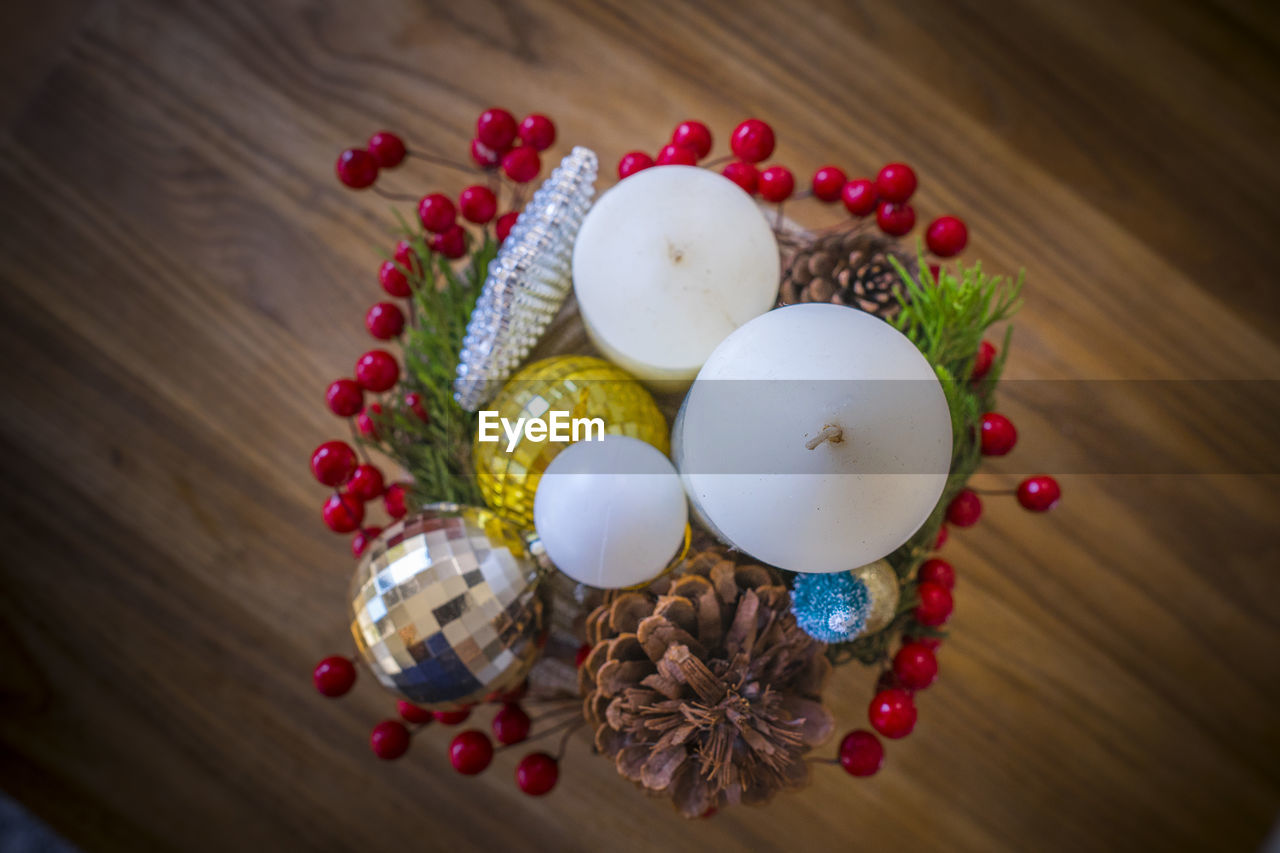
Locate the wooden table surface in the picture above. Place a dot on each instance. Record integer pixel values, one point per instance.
(182, 276)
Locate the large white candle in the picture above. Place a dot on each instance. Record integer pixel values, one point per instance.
(667, 264)
(816, 438)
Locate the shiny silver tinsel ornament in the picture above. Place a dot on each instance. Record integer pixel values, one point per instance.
(445, 608)
(527, 282)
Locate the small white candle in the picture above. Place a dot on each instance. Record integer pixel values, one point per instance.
(667, 264)
(832, 454)
(611, 513)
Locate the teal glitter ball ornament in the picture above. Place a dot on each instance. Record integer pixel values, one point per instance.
(831, 607)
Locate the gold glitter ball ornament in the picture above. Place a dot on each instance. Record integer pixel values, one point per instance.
(882, 585)
(445, 607)
(577, 385)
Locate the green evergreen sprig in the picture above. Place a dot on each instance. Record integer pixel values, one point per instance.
(436, 452)
(946, 319)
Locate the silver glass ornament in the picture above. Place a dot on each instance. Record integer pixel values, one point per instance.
(527, 282)
(445, 606)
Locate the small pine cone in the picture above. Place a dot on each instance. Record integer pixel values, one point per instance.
(702, 688)
(848, 268)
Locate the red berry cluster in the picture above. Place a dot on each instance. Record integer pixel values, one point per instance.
(753, 141)
(892, 712)
(470, 752)
(358, 167)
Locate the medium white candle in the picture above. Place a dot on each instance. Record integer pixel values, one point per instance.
(667, 264)
(832, 454)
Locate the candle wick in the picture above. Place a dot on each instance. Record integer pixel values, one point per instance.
(830, 433)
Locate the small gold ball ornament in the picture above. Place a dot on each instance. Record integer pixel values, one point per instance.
(579, 386)
(445, 606)
(882, 584)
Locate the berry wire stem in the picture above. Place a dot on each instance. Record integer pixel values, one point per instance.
(1000, 492)
(392, 196)
(718, 161)
(564, 738)
(552, 730)
(557, 712)
(443, 161)
(355, 439)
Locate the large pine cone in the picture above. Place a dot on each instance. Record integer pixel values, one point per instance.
(848, 268)
(702, 687)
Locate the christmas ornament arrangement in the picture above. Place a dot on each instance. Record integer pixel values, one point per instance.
(675, 537)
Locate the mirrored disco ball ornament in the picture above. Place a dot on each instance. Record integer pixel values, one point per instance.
(445, 608)
(527, 282)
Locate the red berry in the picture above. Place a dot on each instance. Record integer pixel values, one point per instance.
(915, 666)
(861, 753)
(1040, 493)
(356, 168)
(943, 533)
(365, 424)
(776, 184)
(521, 164)
(452, 718)
(998, 434)
(470, 752)
(965, 509)
(363, 538)
(676, 155)
(893, 713)
(511, 724)
(693, 135)
(342, 513)
(394, 500)
(744, 175)
(632, 162)
(436, 212)
(505, 223)
(859, 196)
(333, 462)
(478, 204)
(387, 149)
(393, 281)
(366, 482)
(407, 258)
(895, 219)
(377, 370)
(828, 183)
(946, 236)
(537, 131)
(937, 571)
(537, 773)
(935, 604)
(411, 713)
(935, 273)
(344, 397)
(484, 156)
(334, 675)
(389, 740)
(384, 321)
(896, 182)
(413, 400)
(452, 243)
(752, 141)
(983, 360)
(496, 128)
(581, 657)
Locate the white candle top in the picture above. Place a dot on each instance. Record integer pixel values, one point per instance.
(816, 438)
(667, 264)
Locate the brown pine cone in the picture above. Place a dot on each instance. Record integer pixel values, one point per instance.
(702, 688)
(848, 268)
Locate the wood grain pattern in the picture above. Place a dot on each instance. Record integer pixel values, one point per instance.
(182, 276)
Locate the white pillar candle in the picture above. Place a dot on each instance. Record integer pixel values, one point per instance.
(832, 454)
(667, 264)
(611, 513)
